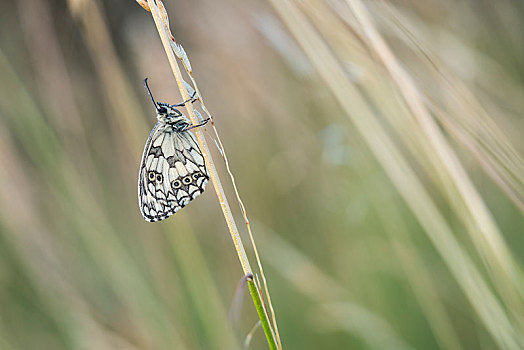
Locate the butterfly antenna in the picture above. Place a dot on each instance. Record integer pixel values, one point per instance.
(150, 94)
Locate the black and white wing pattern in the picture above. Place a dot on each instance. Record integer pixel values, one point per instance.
(172, 172)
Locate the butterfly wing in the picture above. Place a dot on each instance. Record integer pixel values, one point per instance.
(172, 172)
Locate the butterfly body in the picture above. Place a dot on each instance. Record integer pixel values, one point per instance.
(173, 171)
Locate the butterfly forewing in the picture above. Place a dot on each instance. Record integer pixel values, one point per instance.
(172, 172)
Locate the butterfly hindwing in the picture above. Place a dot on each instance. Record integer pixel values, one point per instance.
(172, 172)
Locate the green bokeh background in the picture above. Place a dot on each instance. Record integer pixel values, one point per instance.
(348, 264)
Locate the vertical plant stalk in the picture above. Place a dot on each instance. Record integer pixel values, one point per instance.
(172, 50)
(266, 326)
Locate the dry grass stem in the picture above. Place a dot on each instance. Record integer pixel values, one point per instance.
(162, 23)
(172, 48)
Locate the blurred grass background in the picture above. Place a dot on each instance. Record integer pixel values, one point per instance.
(376, 231)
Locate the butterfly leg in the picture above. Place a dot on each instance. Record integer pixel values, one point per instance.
(204, 122)
(192, 99)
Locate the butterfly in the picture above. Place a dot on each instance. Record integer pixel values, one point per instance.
(172, 172)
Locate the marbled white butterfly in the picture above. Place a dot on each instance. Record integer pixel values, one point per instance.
(173, 171)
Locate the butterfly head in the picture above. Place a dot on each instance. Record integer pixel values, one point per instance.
(168, 114)
(165, 112)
